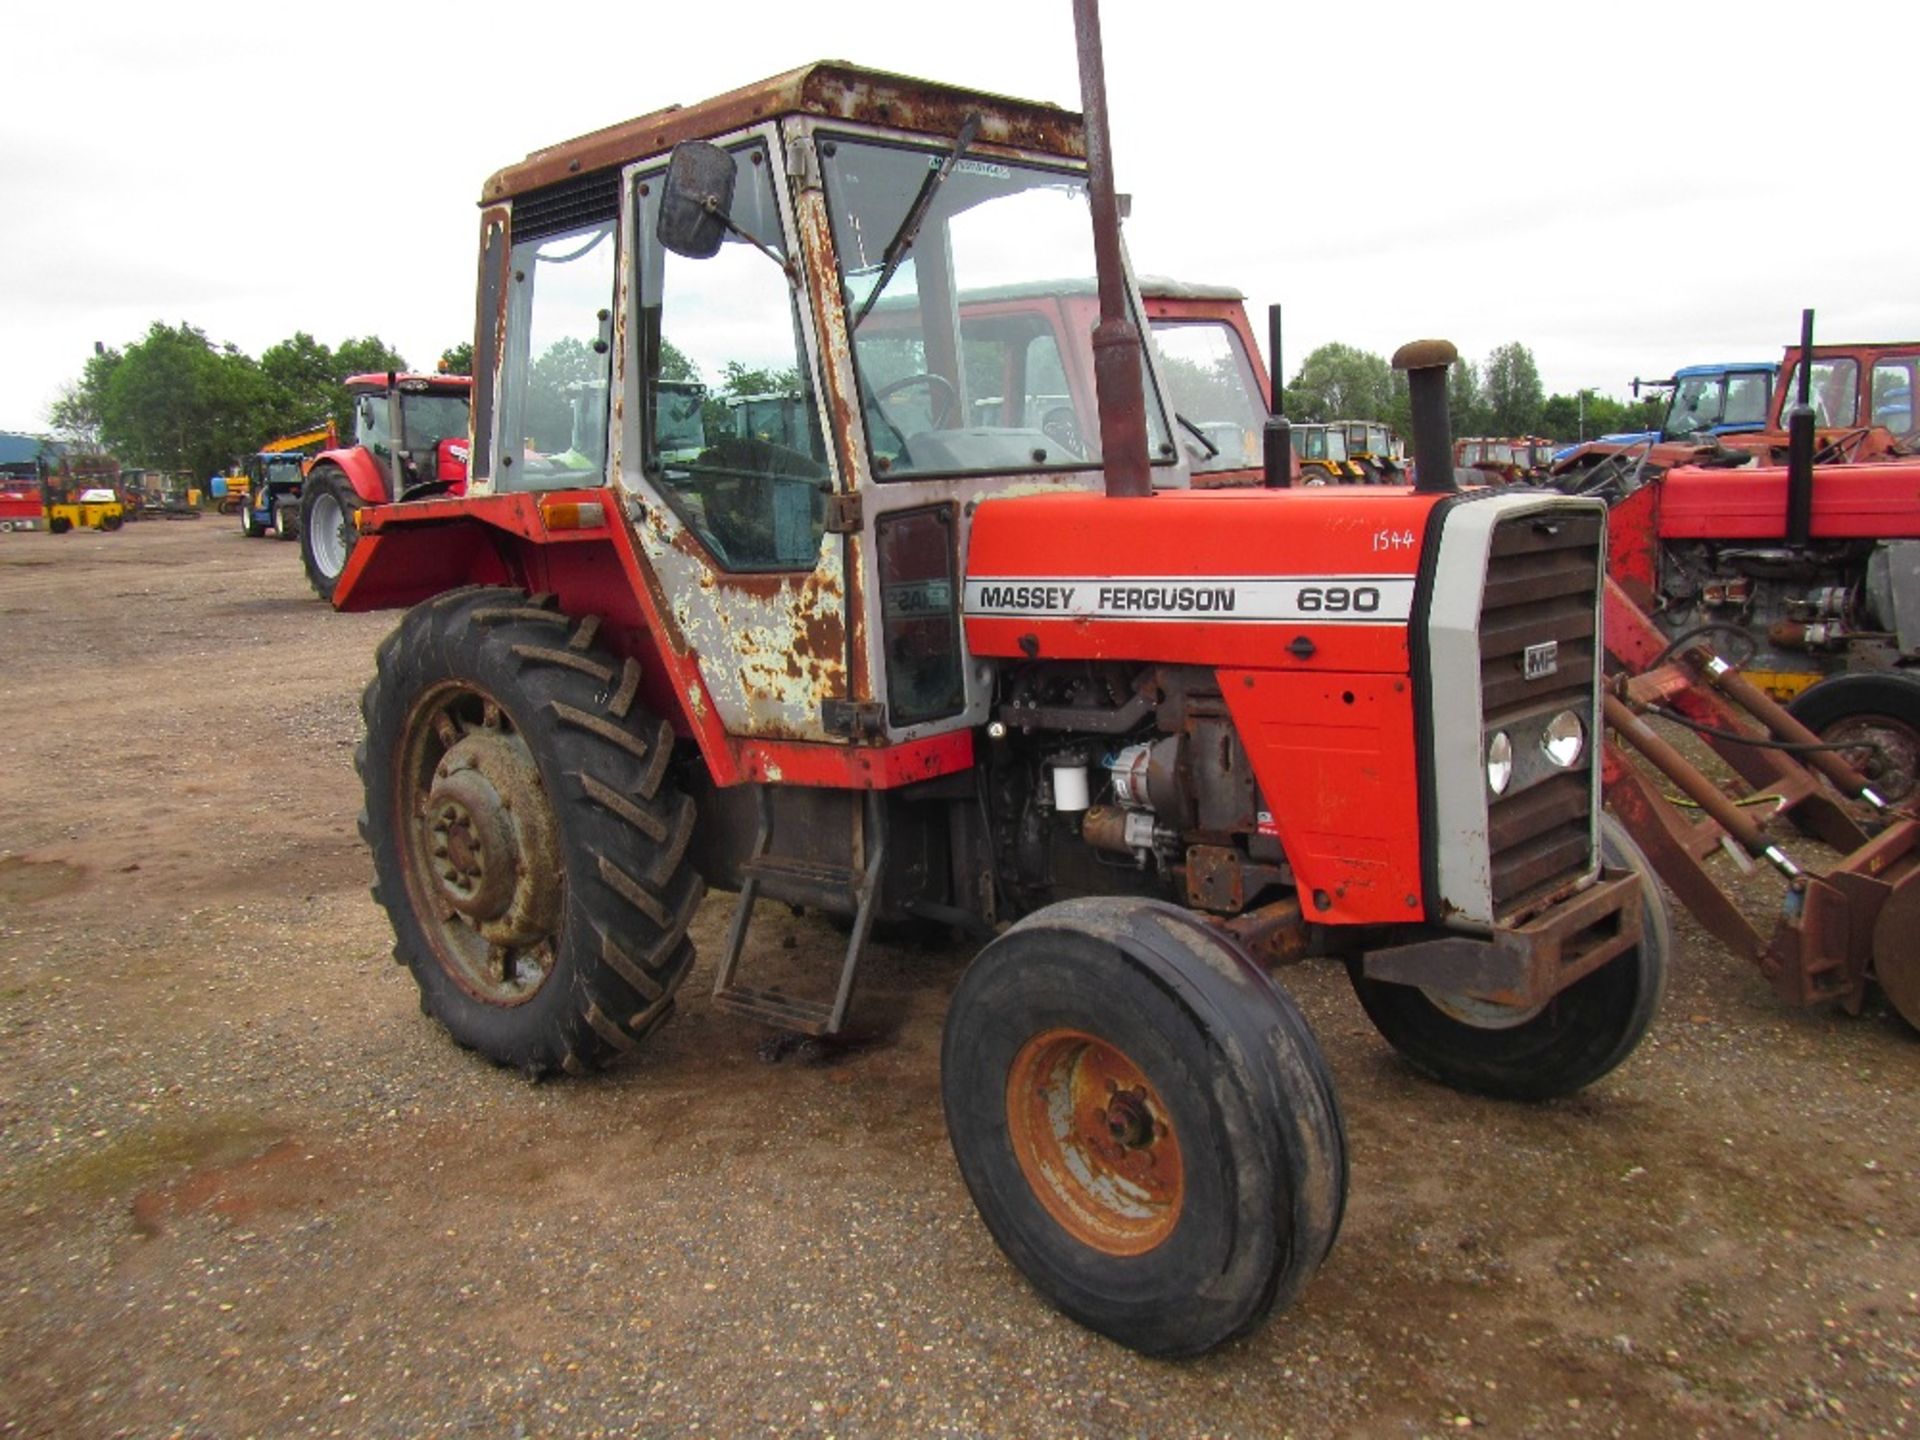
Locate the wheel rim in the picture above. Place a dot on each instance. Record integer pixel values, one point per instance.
(482, 855)
(328, 540)
(1894, 765)
(1095, 1142)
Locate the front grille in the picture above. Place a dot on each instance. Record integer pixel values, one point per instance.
(1543, 574)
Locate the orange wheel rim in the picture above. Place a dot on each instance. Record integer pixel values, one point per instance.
(1095, 1142)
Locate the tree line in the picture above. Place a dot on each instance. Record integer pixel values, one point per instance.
(174, 400)
(1501, 395)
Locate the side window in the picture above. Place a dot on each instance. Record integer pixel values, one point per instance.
(553, 412)
(1747, 397)
(373, 424)
(1836, 392)
(919, 620)
(1893, 386)
(1213, 389)
(731, 430)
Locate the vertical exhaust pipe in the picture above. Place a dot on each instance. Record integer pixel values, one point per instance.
(1426, 363)
(1800, 444)
(1276, 440)
(1117, 384)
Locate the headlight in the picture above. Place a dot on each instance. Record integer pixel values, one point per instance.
(1564, 739)
(1499, 762)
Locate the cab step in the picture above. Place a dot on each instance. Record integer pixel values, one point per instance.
(798, 881)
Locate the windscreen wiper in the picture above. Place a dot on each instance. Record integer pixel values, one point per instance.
(903, 238)
(1198, 434)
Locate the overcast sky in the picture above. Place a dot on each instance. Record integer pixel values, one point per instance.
(1624, 188)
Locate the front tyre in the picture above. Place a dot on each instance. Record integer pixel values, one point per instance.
(328, 503)
(250, 526)
(1145, 1122)
(1543, 1051)
(528, 846)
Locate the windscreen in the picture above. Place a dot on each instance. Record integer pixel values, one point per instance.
(971, 301)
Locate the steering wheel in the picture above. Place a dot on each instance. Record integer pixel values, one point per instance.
(1061, 426)
(941, 397)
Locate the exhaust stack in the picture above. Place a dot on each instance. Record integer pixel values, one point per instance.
(1116, 339)
(1800, 443)
(1426, 363)
(1276, 440)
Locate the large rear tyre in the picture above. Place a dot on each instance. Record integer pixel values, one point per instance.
(1145, 1122)
(328, 503)
(1543, 1051)
(528, 845)
(1879, 710)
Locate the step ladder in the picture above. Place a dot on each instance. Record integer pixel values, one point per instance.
(837, 888)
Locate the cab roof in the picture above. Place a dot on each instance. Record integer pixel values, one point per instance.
(826, 89)
(1729, 367)
(377, 384)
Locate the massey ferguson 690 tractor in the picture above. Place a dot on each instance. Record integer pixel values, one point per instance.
(410, 440)
(935, 659)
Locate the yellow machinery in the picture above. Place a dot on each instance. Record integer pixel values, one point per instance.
(73, 505)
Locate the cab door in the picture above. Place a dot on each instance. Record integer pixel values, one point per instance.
(735, 511)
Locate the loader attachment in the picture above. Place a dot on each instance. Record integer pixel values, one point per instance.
(1837, 928)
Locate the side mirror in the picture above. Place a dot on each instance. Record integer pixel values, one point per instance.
(697, 197)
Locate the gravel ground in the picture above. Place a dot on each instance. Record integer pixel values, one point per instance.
(247, 1189)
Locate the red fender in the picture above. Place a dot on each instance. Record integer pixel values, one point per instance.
(367, 476)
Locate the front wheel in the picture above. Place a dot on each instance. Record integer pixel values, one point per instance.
(250, 527)
(1542, 1051)
(1145, 1122)
(59, 525)
(1878, 711)
(529, 846)
(328, 503)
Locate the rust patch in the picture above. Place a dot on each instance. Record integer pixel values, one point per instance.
(823, 89)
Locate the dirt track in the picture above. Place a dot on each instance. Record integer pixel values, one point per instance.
(246, 1188)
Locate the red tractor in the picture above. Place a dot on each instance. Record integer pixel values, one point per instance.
(925, 657)
(410, 441)
(1808, 556)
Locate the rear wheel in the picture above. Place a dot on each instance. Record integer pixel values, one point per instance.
(1880, 711)
(328, 503)
(1145, 1122)
(528, 844)
(59, 525)
(286, 520)
(1541, 1051)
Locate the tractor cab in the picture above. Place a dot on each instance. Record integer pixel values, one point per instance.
(414, 426)
(1322, 453)
(1377, 450)
(1709, 400)
(1214, 376)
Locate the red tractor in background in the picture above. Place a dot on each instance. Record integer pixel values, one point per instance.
(410, 441)
(1808, 558)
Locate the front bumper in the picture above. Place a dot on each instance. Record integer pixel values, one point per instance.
(1526, 964)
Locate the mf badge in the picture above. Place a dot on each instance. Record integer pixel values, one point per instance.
(1541, 660)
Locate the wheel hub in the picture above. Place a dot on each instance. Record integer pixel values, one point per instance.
(1095, 1142)
(490, 841)
(1889, 755)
